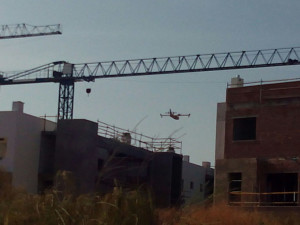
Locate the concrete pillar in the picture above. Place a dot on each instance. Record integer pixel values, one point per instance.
(220, 131)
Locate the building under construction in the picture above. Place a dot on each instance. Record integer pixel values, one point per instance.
(96, 156)
(257, 145)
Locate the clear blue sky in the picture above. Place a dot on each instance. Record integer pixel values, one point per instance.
(121, 29)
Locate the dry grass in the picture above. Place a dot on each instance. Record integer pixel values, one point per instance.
(222, 215)
(118, 208)
(64, 208)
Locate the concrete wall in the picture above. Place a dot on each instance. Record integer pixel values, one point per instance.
(28, 150)
(23, 133)
(46, 160)
(165, 178)
(76, 152)
(247, 168)
(195, 174)
(8, 130)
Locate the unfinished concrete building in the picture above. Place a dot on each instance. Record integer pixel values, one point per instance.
(99, 156)
(99, 163)
(96, 157)
(257, 145)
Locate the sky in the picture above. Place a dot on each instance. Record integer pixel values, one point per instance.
(98, 30)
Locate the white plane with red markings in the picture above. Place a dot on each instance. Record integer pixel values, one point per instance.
(174, 115)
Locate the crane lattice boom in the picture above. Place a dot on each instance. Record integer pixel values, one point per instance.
(66, 74)
(162, 65)
(26, 30)
(191, 63)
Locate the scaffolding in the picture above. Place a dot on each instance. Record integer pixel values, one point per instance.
(139, 140)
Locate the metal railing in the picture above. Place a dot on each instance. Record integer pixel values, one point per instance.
(261, 82)
(139, 140)
(264, 198)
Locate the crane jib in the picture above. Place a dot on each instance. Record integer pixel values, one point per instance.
(66, 74)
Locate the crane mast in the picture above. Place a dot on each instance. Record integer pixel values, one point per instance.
(26, 30)
(66, 74)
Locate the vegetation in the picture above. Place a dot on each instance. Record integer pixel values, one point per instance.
(64, 208)
(118, 208)
(223, 215)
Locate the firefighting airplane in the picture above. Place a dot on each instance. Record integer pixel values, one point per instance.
(174, 115)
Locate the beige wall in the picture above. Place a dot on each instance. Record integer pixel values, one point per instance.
(23, 133)
(8, 128)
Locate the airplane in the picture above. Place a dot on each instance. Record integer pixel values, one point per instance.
(174, 115)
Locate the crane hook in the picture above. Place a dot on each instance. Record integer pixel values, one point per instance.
(88, 91)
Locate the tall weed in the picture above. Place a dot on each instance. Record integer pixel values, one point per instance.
(61, 207)
(120, 207)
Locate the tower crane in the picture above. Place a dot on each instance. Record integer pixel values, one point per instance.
(66, 74)
(26, 30)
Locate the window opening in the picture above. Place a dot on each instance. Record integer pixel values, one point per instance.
(3, 147)
(283, 188)
(235, 187)
(100, 164)
(192, 185)
(244, 129)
